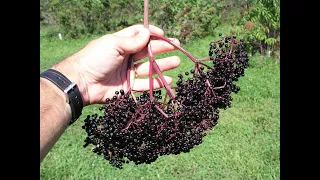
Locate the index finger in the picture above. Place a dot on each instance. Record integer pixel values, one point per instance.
(135, 29)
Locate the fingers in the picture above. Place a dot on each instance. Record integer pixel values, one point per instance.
(131, 44)
(143, 84)
(142, 69)
(158, 47)
(135, 38)
(135, 29)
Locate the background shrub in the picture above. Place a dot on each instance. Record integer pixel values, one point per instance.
(257, 21)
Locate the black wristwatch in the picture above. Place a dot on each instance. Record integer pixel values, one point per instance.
(68, 87)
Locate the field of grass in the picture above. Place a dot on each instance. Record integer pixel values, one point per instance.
(244, 145)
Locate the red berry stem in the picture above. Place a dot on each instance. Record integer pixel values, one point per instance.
(146, 25)
(151, 60)
(146, 14)
(161, 111)
(130, 73)
(204, 59)
(164, 82)
(175, 45)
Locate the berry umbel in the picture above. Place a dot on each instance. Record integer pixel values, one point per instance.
(141, 126)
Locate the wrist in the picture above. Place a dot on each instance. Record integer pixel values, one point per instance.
(55, 115)
(51, 93)
(72, 71)
(69, 88)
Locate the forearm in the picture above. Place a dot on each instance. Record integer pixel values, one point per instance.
(55, 115)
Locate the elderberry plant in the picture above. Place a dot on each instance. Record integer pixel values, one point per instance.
(142, 127)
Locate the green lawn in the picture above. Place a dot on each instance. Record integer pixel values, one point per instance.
(244, 145)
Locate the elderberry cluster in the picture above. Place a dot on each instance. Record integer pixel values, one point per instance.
(140, 129)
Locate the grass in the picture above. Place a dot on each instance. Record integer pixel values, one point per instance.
(52, 49)
(244, 145)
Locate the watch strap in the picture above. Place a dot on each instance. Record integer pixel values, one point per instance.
(68, 87)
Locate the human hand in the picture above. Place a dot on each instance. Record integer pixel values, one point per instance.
(100, 68)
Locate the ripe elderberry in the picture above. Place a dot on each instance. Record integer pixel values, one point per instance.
(140, 128)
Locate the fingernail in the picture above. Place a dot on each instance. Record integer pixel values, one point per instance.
(174, 39)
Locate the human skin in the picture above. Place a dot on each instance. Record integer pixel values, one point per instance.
(99, 69)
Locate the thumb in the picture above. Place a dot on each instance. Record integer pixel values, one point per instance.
(129, 45)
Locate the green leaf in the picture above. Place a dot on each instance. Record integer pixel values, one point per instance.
(271, 41)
